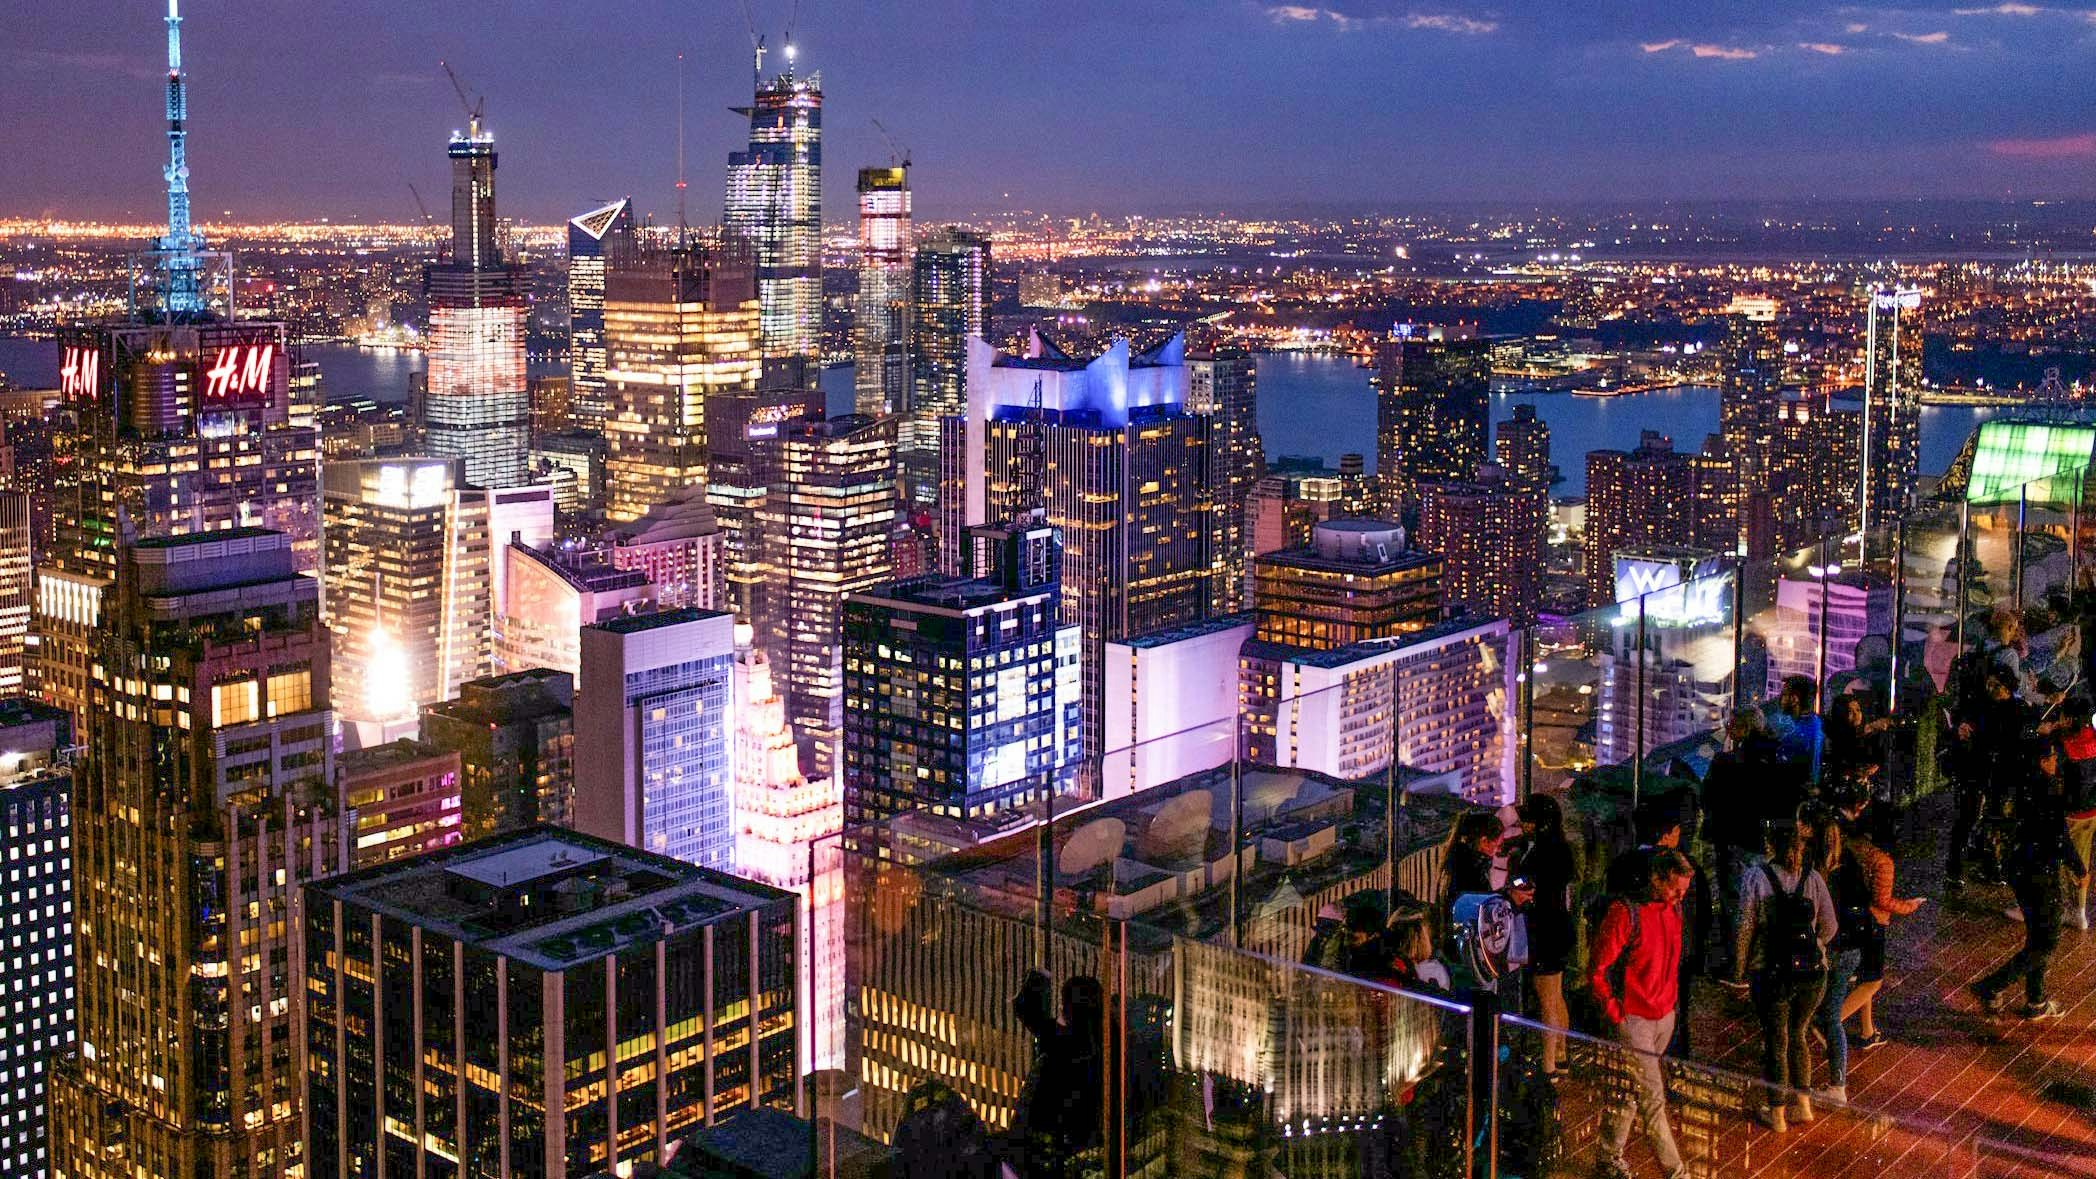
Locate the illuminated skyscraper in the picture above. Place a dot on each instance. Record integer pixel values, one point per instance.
(1522, 449)
(774, 205)
(1653, 495)
(827, 521)
(1489, 533)
(783, 821)
(949, 306)
(592, 239)
(1223, 389)
(1433, 403)
(1891, 403)
(17, 567)
(409, 597)
(36, 912)
(209, 758)
(406, 797)
(880, 317)
(680, 327)
(1355, 581)
(478, 408)
(654, 717)
(515, 737)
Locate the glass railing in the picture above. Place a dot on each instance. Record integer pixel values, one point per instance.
(1149, 972)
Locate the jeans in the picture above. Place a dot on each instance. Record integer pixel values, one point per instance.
(2038, 892)
(1841, 977)
(1732, 866)
(1785, 1003)
(1646, 1039)
(1971, 798)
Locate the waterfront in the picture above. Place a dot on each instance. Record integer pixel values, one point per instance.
(1311, 404)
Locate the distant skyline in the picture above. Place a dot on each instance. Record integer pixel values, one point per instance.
(303, 109)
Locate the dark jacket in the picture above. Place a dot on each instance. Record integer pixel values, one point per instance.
(1736, 792)
(2039, 843)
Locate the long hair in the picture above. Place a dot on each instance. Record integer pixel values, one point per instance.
(1471, 827)
(1786, 846)
(1822, 831)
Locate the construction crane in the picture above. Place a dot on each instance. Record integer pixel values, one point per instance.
(473, 105)
(428, 222)
(896, 153)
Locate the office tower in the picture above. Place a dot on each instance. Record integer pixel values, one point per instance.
(774, 207)
(592, 239)
(515, 738)
(1433, 404)
(653, 714)
(1222, 388)
(1891, 404)
(409, 597)
(1685, 686)
(540, 1003)
(881, 313)
(828, 522)
(1809, 483)
(478, 407)
(1489, 533)
(1637, 498)
(742, 466)
(949, 306)
(189, 1063)
(1522, 450)
(549, 405)
(678, 544)
(405, 794)
(1750, 368)
(36, 972)
(17, 566)
(950, 702)
(680, 326)
(1355, 581)
(554, 591)
(1169, 703)
(784, 824)
(1106, 449)
(580, 455)
(1283, 508)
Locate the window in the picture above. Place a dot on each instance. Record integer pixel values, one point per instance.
(235, 703)
(290, 691)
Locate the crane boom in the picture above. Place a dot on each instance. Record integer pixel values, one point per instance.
(473, 105)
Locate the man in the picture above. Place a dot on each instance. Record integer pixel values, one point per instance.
(1990, 739)
(2041, 850)
(1662, 824)
(1635, 976)
(1736, 794)
(1800, 741)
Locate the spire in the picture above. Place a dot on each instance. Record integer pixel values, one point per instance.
(185, 294)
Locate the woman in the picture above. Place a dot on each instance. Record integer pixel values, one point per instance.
(1878, 873)
(1786, 921)
(1854, 753)
(1846, 883)
(1408, 945)
(1546, 863)
(1467, 865)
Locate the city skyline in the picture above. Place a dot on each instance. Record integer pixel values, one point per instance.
(1510, 102)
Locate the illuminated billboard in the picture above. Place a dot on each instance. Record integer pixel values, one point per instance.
(1680, 588)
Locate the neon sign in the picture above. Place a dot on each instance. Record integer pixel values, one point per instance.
(80, 377)
(1673, 596)
(240, 371)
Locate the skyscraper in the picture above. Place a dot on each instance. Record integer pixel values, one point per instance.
(540, 1003)
(880, 315)
(654, 714)
(1107, 451)
(1223, 389)
(478, 408)
(17, 567)
(36, 918)
(828, 520)
(1433, 401)
(189, 1063)
(1750, 368)
(1891, 403)
(1489, 532)
(515, 737)
(592, 239)
(1521, 447)
(1356, 581)
(406, 798)
(949, 306)
(680, 326)
(1638, 498)
(742, 433)
(774, 204)
(410, 599)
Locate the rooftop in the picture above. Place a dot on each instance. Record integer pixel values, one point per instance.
(404, 751)
(952, 593)
(1192, 630)
(634, 624)
(549, 897)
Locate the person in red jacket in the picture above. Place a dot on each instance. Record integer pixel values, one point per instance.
(1635, 976)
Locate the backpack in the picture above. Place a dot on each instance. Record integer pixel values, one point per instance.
(1790, 929)
(1851, 891)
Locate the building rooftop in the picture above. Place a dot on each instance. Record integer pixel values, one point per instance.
(1372, 649)
(639, 623)
(951, 593)
(549, 897)
(1192, 630)
(519, 695)
(404, 751)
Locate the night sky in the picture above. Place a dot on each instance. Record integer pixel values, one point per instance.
(311, 108)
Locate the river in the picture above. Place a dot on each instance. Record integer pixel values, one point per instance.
(1309, 404)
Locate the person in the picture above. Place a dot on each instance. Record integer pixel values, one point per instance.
(1847, 884)
(1735, 792)
(1354, 947)
(1801, 742)
(2078, 742)
(1408, 949)
(1635, 976)
(1786, 920)
(1878, 871)
(1854, 753)
(1988, 737)
(1546, 862)
(1467, 867)
(1059, 1108)
(1662, 825)
(2040, 850)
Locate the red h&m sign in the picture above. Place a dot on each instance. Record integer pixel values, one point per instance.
(240, 371)
(79, 378)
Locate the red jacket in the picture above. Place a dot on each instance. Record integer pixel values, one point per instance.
(1652, 971)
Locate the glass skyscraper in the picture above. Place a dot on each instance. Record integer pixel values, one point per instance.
(1433, 406)
(478, 408)
(774, 204)
(949, 305)
(880, 317)
(592, 237)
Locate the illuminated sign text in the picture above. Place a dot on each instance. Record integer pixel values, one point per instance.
(239, 371)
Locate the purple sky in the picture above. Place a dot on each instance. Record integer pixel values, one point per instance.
(309, 108)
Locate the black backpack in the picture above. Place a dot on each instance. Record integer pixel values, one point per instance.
(1851, 891)
(1790, 929)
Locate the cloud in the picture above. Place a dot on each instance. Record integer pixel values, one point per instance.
(2006, 8)
(1828, 48)
(1856, 26)
(1939, 37)
(1438, 22)
(2064, 147)
(1702, 49)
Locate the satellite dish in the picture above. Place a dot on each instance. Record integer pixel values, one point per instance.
(1091, 845)
(1179, 829)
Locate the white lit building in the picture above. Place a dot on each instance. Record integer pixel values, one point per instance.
(1687, 606)
(1170, 703)
(1858, 606)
